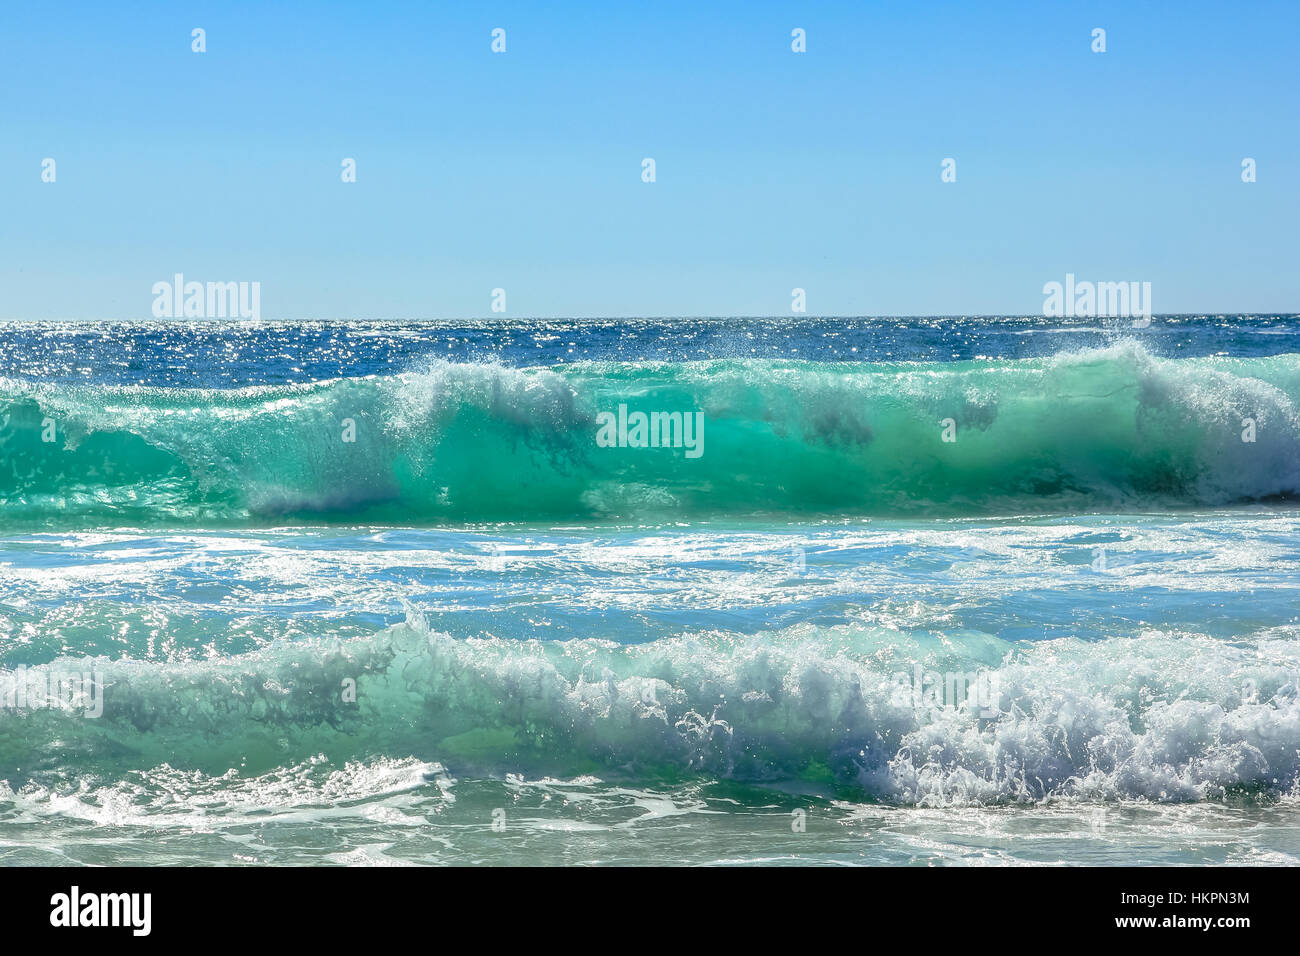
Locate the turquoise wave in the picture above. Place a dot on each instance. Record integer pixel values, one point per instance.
(1169, 717)
(1113, 428)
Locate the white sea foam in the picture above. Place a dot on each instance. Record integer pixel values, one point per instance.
(1157, 716)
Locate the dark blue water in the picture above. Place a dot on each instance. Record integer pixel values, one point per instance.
(230, 355)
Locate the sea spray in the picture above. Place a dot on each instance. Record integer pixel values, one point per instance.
(1162, 718)
(1111, 428)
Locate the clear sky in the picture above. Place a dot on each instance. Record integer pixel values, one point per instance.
(522, 170)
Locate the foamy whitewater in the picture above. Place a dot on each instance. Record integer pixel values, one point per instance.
(373, 593)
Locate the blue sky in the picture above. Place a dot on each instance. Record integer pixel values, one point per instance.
(522, 170)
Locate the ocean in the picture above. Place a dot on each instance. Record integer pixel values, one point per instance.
(644, 591)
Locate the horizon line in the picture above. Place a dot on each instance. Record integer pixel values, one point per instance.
(797, 317)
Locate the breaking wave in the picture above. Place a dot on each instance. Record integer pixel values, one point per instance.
(1162, 717)
(1111, 428)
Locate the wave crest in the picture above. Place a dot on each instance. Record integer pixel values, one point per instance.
(1113, 428)
(1166, 717)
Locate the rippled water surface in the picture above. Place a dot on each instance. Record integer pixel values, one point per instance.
(475, 636)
